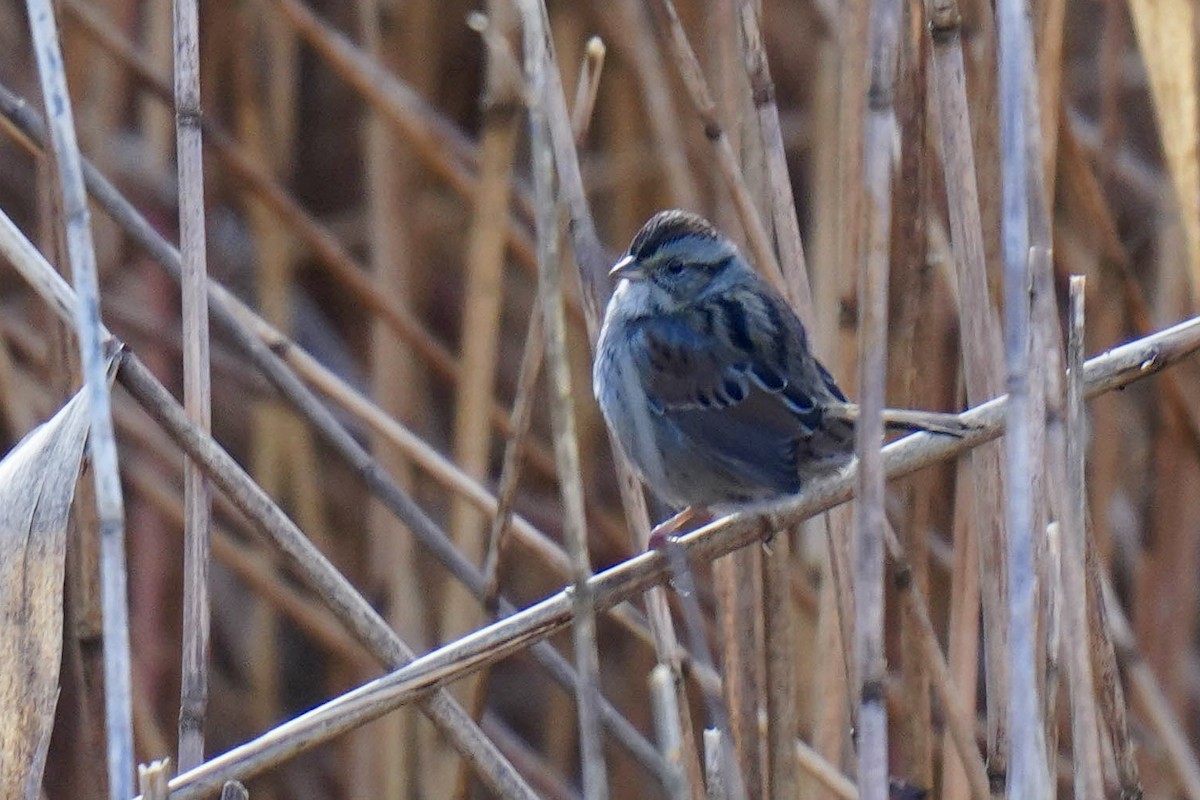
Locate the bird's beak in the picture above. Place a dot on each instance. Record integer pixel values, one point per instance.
(627, 267)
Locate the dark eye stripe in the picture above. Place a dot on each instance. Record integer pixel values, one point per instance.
(735, 320)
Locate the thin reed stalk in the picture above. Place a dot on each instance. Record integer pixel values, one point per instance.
(778, 621)
(485, 261)
(85, 317)
(666, 725)
(958, 721)
(783, 204)
(706, 109)
(720, 753)
(1103, 632)
(1027, 770)
(566, 447)
(631, 28)
(1084, 722)
(983, 371)
(870, 517)
(197, 391)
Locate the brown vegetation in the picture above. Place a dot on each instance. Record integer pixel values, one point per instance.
(401, 207)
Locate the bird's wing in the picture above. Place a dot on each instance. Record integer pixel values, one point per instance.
(712, 354)
(735, 377)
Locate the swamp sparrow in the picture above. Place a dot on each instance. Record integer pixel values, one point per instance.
(705, 378)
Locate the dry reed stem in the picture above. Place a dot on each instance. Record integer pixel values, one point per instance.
(829, 777)
(197, 390)
(959, 721)
(837, 289)
(485, 261)
(918, 371)
(782, 203)
(779, 644)
(396, 756)
(1089, 778)
(720, 753)
(759, 241)
(777, 612)
(739, 596)
(1050, 592)
(437, 142)
(233, 790)
(982, 361)
(85, 316)
(666, 726)
(1026, 775)
(1106, 372)
(870, 518)
(562, 416)
(152, 779)
(588, 87)
(250, 564)
(1102, 635)
(633, 31)
(1046, 365)
(504, 518)
(715, 777)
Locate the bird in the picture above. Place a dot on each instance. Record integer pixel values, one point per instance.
(706, 380)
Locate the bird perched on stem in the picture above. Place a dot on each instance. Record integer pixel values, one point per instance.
(704, 375)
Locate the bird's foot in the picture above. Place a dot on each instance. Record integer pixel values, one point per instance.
(687, 519)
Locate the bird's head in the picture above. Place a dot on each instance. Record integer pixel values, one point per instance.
(676, 258)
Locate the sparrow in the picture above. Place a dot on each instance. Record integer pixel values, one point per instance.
(705, 377)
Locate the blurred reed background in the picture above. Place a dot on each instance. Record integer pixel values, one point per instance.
(368, 189)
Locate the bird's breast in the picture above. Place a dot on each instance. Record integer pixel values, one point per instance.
(624, 402)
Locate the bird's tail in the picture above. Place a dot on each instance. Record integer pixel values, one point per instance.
(905, 419)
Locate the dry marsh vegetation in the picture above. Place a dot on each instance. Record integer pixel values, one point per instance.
(372, 540)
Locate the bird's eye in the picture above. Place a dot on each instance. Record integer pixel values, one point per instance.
(674, 268)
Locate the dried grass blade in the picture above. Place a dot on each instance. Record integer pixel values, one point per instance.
(37, 482)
